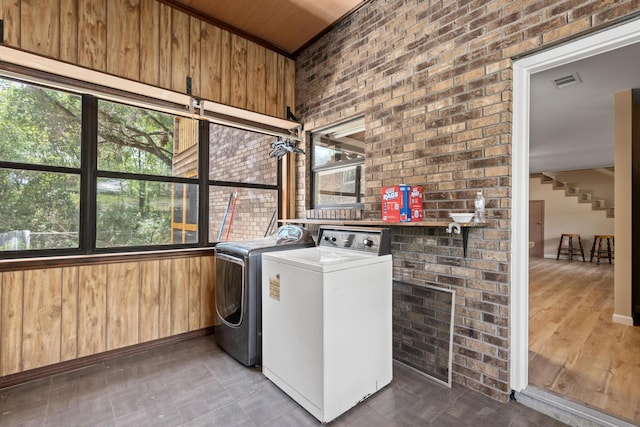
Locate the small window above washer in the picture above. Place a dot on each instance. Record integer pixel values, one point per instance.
(338, 165)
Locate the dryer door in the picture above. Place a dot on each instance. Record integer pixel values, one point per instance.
(230, 289)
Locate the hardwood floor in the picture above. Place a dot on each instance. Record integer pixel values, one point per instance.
(575, 350)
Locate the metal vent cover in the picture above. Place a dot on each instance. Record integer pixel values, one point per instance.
(565, 81)
(423, 317)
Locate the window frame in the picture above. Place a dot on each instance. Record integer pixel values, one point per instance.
(357, 164)
(97, 173)
(67, 170)
(48, 169)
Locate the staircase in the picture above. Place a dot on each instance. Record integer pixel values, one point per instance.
(582, 196)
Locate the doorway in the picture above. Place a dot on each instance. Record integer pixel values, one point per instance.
(621, 36)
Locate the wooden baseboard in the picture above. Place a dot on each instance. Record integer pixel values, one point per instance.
(70, 365)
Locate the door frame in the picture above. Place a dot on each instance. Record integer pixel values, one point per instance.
(603, 41)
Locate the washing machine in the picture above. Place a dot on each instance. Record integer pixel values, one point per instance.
(238, 275)
(327, 319)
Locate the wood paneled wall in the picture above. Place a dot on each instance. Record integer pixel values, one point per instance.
(54, 315)
(150, 42)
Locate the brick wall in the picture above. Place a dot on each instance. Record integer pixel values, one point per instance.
(237, 155)
(433, 80)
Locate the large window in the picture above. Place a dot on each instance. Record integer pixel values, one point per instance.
(141, 153)
(80, 174)
(338, 165)
(40, 157)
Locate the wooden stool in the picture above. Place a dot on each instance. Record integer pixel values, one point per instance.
(598, 252)
(569, 250)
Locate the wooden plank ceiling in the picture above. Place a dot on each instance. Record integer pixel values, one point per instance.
(287, 25)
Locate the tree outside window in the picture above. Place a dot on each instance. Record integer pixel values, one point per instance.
(40, 152)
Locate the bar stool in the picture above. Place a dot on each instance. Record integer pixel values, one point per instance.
(570, 250)
(598, 238)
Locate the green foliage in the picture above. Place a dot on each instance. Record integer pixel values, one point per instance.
(43, 127)
(134, 140)
(39, 126)
(145, 205)
(44, 203)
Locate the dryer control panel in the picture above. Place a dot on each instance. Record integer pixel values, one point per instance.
(376, 241)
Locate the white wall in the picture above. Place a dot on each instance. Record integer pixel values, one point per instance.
(564, 214)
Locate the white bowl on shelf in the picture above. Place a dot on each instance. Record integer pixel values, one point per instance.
(461, 218)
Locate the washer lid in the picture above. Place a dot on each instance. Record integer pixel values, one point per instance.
(325, 260)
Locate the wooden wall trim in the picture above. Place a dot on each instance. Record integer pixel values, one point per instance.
(84, 260)
(70, 365)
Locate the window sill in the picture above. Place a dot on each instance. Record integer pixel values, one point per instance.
(76, 260)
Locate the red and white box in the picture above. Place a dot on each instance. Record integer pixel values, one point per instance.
(402, 203)
(415, 203)
(395, 203)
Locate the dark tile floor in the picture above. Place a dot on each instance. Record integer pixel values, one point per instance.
(194, 383)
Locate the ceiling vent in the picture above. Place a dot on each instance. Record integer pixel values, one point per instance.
(566, 81)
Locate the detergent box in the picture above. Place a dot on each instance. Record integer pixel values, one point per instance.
(402, 203)
(395, 203)
(415, 203)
